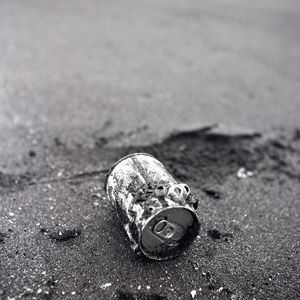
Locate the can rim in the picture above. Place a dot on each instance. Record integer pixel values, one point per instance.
(119, 161)
(196, 224)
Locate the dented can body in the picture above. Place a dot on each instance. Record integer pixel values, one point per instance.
(157, 212)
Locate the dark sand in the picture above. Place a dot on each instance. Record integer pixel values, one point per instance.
(248, 245)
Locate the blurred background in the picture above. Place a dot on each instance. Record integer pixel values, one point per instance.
(70, 69)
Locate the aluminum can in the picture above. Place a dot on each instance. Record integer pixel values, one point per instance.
(157, 212)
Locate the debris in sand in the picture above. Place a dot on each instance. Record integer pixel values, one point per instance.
(217, 235)
(59, 174)
(243, 173)
(97, 196)
(157, 192)
(105, 285)
(2, 236)
(212, 193)
(64, 235)
(27, 289)
(193, 293)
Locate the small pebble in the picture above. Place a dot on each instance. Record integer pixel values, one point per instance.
(39, 291)
(32, 153)
(97, 195)
(73, 293)
(105, 285)
(242, 173)
(193, 293)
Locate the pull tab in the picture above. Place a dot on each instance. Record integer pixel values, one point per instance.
(168, 230)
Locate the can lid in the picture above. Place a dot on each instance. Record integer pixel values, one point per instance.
(169, 232)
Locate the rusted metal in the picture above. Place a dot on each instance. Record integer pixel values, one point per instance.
(157, 212)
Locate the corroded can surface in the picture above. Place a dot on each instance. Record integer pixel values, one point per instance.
(158, 213)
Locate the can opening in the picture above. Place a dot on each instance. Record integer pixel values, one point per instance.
(169, 232)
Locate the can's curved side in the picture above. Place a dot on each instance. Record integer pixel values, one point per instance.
(109, 173)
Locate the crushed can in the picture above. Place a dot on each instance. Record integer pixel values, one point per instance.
(157, 212)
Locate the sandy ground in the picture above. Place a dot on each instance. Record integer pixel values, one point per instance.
(83, 83)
